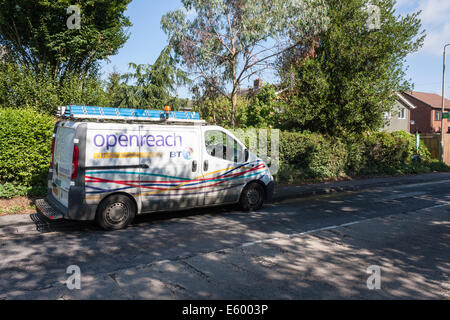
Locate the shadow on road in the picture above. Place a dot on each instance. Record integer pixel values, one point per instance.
(204, 257)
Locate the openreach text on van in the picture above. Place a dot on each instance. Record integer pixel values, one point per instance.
(123, 140)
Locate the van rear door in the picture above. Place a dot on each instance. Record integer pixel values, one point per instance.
(62, 164)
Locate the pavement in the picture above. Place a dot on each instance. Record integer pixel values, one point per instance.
(314, 247)
(18, 224)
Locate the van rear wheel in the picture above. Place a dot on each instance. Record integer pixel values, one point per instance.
(252, 197)
(116, 212)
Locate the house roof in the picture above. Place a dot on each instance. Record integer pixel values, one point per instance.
(405, 101)
(431, 99)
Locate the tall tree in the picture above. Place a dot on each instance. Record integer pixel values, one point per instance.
(37, 34)
(229, 41)
(147, 85)
(347, 78)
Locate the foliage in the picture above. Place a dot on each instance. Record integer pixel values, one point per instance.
(147, 85)
(225, 42)
(218, 111)
(263, 109)
(22, 87)
(347, 78)
(260, 110)
(383, 152)
(37, 37)
(310, 156)
(25, 143)
(9, 190)
(316, 156)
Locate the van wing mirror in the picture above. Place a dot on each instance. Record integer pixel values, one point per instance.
(246, 155)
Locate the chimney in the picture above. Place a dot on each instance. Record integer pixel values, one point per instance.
(257, 83)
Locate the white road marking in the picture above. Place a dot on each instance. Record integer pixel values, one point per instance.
(438, 206)
(293, 235)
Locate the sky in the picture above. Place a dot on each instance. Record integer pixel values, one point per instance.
(424, 67)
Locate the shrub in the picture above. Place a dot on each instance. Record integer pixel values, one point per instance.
(383, 152)
(306, 156)
(25, 146)
(9, 190)
(316, 155)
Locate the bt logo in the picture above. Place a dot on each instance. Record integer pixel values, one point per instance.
(186, 154)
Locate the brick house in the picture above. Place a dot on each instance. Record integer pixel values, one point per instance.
(426, 115)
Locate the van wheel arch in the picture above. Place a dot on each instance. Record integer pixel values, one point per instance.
(252, 196)
(116, 194)
(105, 211)
(260, 183)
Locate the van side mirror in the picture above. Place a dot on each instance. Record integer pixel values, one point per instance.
(246, 155)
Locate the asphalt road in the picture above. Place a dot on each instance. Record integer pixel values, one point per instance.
(310, 248)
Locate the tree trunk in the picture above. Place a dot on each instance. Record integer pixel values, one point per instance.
(234, 92)
(233, 108)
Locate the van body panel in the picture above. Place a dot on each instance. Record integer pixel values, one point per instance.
(112, 161)
(161, 167)
(170, 161)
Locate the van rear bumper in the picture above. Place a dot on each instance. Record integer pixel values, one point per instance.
(78, 209)
(49, 210)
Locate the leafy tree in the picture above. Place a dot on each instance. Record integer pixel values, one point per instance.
(348, 76)
(36, 35)
(263, 109)
(114, 89)
(217, 110)
(228, 41)
(22, 87)
(147, 85)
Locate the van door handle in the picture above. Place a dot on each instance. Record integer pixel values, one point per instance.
(205, 165)
(194, 165)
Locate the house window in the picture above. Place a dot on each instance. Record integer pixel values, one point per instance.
(402, 113)
(387, 115)
(437, 115)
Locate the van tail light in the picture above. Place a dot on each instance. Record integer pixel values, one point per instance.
(53, 153)
(76, 153)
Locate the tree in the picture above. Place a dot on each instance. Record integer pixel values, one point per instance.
(147, 85)
(36, 34)
(229, 41)
(347, 79)
(262, 110)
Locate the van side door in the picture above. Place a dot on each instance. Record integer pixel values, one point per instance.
(222, 166)
(169, 159)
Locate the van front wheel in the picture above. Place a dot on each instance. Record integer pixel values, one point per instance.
(252, 197)
(116, 212)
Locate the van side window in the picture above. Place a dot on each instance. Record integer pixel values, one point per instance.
(220, 145)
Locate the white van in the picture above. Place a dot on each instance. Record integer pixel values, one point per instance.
(133, 161)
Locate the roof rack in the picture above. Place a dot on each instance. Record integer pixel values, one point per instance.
(126, 114)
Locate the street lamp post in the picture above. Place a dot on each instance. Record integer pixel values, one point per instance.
(443, 106)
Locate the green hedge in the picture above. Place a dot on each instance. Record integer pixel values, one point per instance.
(25, 146)
(25, 143)
(312, 156)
